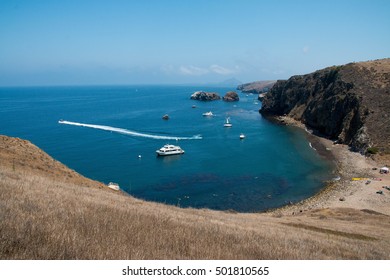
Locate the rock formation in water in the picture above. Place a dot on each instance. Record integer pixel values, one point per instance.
(205, 96)
(231, 96)
(349, 103)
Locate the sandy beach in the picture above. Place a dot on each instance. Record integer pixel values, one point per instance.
(368, 193)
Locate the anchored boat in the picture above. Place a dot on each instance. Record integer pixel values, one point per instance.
(168, 150)
(227, 123)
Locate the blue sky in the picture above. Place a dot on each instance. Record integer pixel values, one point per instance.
(175, 42)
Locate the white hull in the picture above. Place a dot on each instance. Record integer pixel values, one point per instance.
(113, 186)
(159, 153)
(208, 114)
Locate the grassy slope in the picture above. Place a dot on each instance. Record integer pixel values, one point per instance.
(50, 212)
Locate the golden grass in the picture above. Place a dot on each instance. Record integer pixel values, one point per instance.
(52, 217)
(334, 232)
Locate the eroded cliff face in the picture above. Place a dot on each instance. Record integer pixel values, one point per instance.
(349, 103)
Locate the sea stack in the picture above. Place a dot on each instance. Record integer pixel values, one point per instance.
(231, 96)
(205, 96)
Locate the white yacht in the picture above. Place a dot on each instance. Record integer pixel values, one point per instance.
(227, 123)
(208, 114)
(242, 136)
(168, 150)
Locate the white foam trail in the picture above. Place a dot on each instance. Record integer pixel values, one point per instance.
(130, 132)
(311, 146)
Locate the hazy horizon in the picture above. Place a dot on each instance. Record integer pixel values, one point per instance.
(49, 43)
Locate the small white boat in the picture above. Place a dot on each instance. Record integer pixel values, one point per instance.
(208, 114)
(242, 136)
(227, 123)
(113, 186)
(168, 150)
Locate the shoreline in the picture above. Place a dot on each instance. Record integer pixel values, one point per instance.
(343, 193)
(51, 212)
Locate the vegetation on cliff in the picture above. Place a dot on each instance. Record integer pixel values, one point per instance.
(349, 103)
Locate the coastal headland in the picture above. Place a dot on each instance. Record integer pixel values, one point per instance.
(347, 107)
(51, 212)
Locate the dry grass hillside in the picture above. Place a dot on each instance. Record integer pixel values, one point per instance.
(50, 212)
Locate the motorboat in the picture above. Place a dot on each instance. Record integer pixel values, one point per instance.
(168, 150)
(242, 136)
(113, 186)
(165, 117)
(208, 114)
(227, 123)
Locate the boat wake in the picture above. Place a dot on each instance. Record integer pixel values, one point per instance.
(131, 132)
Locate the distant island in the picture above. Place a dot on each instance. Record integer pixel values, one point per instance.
(257, 87)
(232, 82)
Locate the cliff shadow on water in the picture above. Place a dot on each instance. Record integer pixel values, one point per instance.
(346, 103)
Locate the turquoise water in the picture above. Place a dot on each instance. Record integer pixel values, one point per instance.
(272, 166)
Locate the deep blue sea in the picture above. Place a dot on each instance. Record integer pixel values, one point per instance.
(272, 166)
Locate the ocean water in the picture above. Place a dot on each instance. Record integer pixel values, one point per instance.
(272, 166)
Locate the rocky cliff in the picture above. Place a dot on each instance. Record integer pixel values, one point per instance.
(349, 103)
